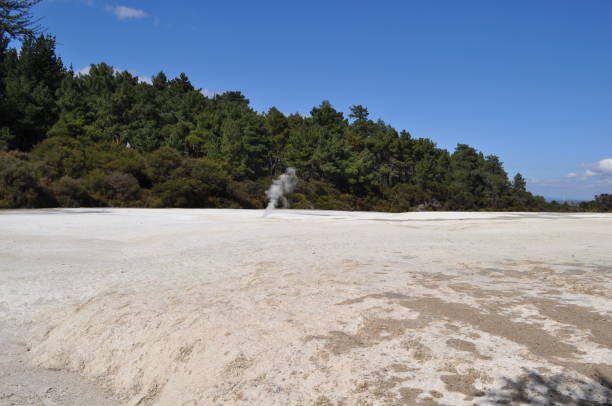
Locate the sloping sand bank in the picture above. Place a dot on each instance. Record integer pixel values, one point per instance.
(213, 307)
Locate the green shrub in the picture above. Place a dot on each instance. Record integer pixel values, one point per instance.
(69, 192)
(94, 183)
(111, 158)
(300, 202)
(331, 203)
(6, 138)
(122, 188)
(212, 177)
(19, 187)
(114, 189)
(179, 192)
(404, 196)
(60, 156)
(162, 162)
(248, 194)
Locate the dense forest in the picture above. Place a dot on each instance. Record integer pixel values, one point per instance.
(107, 139)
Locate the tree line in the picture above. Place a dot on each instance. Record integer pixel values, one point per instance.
(106, 138)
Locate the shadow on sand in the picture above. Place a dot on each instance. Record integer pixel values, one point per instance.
(533, 388)
(69, 210)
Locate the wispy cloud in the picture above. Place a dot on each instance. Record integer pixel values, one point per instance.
(88, 3)
(126, 13)
(595, 178)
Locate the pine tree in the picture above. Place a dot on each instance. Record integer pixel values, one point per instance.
(16, 20)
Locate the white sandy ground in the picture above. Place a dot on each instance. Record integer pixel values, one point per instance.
(212, 307)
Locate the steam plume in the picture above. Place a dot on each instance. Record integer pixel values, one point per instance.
(285, 183)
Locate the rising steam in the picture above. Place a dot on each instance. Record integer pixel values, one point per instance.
(282, 185)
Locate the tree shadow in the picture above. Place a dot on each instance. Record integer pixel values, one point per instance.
(58, 210)
(536, 389)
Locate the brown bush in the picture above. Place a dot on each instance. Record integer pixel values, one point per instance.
(19, 187)
(69, 192)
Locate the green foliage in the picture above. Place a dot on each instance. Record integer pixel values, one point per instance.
(601, 203)
(113, 189)
(518, 183)
(29, 83)
(120, 188)
(179, 192)
(69, 192)
(331, 203)
(111, 157)
(60, 156)
(19, 187)
(405, 196)
(15, 18)
(104, 138)
(6, 138)
(196, 183)
(161, 163)
(248, 194)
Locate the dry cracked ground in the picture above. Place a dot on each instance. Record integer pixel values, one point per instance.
(228, 307)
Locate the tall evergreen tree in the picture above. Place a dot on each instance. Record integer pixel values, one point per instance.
(31, 80)
(518, 183)
(16, 19)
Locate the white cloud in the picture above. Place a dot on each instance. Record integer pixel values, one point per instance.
(596, 178)
(83, 71)
(209, 93)
(125, 13)
(601, 168)
(604, 166)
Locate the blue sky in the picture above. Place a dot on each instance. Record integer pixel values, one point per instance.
(529, 81)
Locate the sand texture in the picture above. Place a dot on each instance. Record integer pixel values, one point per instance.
(227, 307)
